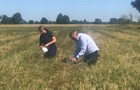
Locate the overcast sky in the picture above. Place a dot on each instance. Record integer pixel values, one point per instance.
(75, 9)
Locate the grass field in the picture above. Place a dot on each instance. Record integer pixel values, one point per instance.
(23, 68)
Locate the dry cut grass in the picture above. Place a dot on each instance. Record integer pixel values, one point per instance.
(23, 68)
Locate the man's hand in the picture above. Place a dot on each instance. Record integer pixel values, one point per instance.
(74, 59)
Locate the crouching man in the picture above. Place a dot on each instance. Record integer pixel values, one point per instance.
(85, 46)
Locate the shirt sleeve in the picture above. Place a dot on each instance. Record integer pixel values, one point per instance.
(51, 34)
(81, 47)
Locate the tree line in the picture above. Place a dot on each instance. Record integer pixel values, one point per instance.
(64, 19)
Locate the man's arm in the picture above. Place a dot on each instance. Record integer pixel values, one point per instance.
(82, 45)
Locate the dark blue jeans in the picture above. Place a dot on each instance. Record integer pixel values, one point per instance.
(91, 58)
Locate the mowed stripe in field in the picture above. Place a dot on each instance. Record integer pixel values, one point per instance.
(9, 49)
(6, 38)
(130, 34)
(116, 55)
(18, 68)
(123, 38)
(15, 58)
(13, 38)
(119, 35)
(118, 49)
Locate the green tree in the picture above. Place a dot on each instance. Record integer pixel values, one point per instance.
(138, 19)
(125, 19)
(44, 21)
(66, 19)
(37, 22)
(59, 19)
(136, 4)
(98, 21)
(31, 22)
(23, 22)
(0, 17)
(131, 17)
(16, 19)
(113, 21)
(5, 19)
(74, 22)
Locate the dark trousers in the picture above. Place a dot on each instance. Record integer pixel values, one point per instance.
(51, 52)
(91, 58)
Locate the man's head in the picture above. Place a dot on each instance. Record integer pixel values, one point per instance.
(73, 35)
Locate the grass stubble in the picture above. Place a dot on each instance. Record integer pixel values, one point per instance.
(23, 68)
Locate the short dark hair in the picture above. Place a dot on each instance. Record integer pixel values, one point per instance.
(71, 33)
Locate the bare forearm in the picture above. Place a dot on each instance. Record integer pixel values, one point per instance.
(50, 43)
(53, 41)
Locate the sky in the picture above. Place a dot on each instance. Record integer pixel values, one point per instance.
(75, 9)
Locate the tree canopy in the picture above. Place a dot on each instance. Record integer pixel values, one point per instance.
(44, 21)
(16, 19)
(136, 4)
(66, 19)
(62, 19)
(59, 19)
(31, 22)
(98, 21)
(5, 19)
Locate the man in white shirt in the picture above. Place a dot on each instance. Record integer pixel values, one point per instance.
(85, 46)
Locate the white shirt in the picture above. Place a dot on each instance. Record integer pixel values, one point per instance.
(84, 45)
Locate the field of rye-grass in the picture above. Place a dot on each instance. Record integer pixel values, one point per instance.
(23, 68)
